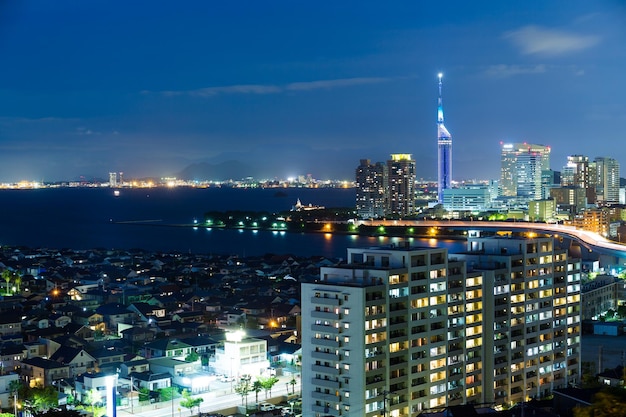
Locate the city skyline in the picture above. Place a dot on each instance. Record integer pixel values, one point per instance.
(291, 89)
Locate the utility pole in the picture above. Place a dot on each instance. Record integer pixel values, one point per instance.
(385, 393)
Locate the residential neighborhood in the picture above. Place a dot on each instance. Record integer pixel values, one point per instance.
(155, 321)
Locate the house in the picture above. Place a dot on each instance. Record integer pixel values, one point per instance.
(77, 359)
(189, 317)
(170, 348)
(138, 365)
(11, 355)
(94, 384)
(10, 323)
(90, 319)
(188, 375)
(137, 335)
(107, 356)
(7, 381)
(148, 313)
(149, 380)
(40, 372)
(114, 313)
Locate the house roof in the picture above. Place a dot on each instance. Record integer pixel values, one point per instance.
(43, 363)
(167, 344)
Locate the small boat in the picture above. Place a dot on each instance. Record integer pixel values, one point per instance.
(116, 193)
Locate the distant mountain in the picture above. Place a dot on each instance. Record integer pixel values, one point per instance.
(227, 170)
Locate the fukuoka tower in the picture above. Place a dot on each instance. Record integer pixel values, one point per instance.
(444, 144)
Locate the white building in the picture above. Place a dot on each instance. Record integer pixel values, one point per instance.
(241, 356)
(400, 330)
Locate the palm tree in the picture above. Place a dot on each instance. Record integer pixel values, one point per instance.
(18, 280)
(7, 275)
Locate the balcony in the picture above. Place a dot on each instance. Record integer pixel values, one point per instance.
(327, 411)
(325, 370)
(325, 329)
(325, 342)
(325, 301)
(326, 315)
(325, 356)
(324, 397)
(327, 383)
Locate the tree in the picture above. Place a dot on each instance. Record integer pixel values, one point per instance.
(18, 281)
(257, 387)
(293, 383)
(267, 384)
(192, 357)
(610, 402)
(44, 398)
(166, 394)
(7, 275)
(189, 402)
(242, 388)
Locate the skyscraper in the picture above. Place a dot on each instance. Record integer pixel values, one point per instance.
(401, 190)
(607, 180)
(577, 173)
(371, 189)
(444, 145)
(523, 163)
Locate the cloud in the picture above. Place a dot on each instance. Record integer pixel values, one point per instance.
(328, 84)
(275, 89)
(505, 71)
(535, 40)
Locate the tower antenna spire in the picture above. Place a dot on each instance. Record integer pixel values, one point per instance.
(440, 100)
(444, 145)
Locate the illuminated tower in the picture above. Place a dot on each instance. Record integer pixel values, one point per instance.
(444, 144)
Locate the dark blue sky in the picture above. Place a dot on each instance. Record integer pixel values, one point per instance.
(149, 87)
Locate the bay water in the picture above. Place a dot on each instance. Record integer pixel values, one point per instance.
(88, 218)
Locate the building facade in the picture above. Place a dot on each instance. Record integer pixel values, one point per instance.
(401, 189)
(523, 164)
(400, 330)
(472, 198)
(607, 180)
(371, 189)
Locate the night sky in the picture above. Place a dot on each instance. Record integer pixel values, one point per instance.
(293, 88)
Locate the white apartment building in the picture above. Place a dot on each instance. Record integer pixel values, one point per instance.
(400, 330)
(532, 316)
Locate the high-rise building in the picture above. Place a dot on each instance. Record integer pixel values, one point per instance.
(444, 147)
(398, 330)
(371, 189)
(113, 179)
(528, 170)
(401, 189)
(577, 173)
(607, 180)
(523, 164)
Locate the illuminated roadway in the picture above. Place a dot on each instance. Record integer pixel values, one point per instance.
(591, 239)
(218, 399)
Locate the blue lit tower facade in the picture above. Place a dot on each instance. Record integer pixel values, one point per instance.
(444, 144)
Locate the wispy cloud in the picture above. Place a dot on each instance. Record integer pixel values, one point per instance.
(506, 71)
(535, 40)
(276, 89)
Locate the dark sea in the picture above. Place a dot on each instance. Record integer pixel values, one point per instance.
(88, 218)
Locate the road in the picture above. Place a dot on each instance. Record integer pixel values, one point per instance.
(219, 398)
(589, 238)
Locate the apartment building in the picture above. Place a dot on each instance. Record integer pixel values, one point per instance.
(400, 330)
(533, 316)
